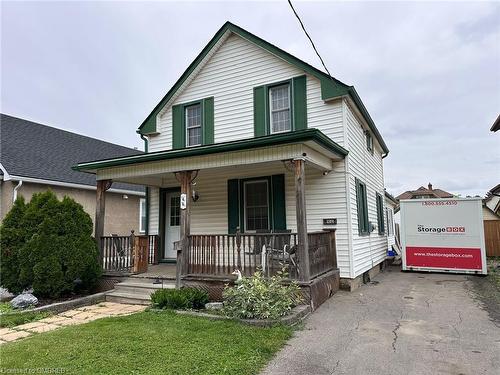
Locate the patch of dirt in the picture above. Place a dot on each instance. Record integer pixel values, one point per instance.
(487, 289)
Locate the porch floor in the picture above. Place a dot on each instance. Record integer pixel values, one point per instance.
(162, 271)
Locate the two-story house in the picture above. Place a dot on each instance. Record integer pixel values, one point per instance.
(254, 141)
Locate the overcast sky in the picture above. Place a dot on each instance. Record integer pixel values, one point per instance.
(428, 72)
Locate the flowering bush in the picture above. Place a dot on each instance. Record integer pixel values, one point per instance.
(258, 297)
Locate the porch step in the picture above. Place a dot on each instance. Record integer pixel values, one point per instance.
(136, 291)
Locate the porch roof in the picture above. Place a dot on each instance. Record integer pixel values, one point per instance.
(322, 150)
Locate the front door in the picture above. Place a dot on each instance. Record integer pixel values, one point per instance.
(172, 224)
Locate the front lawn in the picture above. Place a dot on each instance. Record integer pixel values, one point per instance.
(149, 343)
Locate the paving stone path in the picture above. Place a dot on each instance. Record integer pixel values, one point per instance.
(79, 315)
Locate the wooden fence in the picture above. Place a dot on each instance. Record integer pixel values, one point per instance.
(119, 253)
(492, 237)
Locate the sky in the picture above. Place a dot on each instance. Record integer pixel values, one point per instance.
(428, 72)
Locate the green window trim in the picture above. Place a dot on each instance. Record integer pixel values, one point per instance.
(369, 141)
(362, 205)
(380, 214)
(298, 105)
(179, 131)
(276, 202)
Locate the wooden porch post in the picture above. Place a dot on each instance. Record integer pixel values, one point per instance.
(100, 211)
(300, 209)
(185, 230)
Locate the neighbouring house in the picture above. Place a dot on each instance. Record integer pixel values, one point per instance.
(252, 152)
(496, 125)
(391, 208)
(426, 193)
(35, 157)
(491, 220)
(491, 204)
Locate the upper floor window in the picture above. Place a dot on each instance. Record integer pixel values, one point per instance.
(193, 125)
(279, 98)
(369, 141)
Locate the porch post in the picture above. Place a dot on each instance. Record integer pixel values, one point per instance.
(300, 210)
(100, 210)
(182, 258)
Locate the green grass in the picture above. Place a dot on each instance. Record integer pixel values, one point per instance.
(14, 318)
(149, 343)
(5, 307)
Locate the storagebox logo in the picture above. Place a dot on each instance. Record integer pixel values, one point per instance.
(445, 230)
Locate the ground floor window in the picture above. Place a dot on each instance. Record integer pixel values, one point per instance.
(390, 221)
(256, 205)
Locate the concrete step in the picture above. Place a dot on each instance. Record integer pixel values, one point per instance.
(136, 291)
(128, 298)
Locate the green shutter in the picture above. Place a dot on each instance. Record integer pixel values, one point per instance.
(233, 215)
(380, 214)
(178, 127)
(279, 211)
(259, 111)
(208, 118)
(362, 204)
(299, 103)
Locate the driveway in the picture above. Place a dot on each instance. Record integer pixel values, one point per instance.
(401, 323)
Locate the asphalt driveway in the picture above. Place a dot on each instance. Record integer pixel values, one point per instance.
(401, 323)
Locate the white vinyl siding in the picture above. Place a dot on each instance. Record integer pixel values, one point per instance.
(230, 76)
(370, 250)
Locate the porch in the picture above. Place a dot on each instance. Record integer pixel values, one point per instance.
(225, 207)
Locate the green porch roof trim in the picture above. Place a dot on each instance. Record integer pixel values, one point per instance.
(305, 135)
(330, 87)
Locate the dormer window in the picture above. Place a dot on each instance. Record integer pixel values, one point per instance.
(193, 125)
(279, 99)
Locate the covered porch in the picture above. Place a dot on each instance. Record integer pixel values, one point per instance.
(237, 205)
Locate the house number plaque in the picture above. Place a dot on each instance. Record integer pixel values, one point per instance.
(330, 221)
(183, 201)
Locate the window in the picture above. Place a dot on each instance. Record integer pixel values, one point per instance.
(363, 223)
(175, 211)
(142, 215)
(256, 204)
(369, 141)
(390, 221)
(380, 214)
(193, 125)
(279, 99)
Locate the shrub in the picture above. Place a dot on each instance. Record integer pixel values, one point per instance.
(179, 299)
(259, 298)
(47, 244)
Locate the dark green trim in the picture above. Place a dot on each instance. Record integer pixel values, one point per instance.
(279, 202)
(259, 111)
(208, 121)
(299, 98)
(178, 127)
(161, 222)
(362, 205)
(330, 87)
(146, 224)
(305, 135)
(380, 214)
(233, 214)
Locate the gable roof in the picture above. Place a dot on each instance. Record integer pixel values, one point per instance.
(29, 149)
(496, 125)
(330, 87)
(436, 193)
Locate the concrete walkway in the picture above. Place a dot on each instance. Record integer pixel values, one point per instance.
(402, 323)
(79, 315)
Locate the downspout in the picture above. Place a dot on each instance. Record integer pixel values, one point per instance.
(145, 139)
(18, 186)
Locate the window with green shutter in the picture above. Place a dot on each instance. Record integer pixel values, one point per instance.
(380, 214)
(193, 123)
(256, 204)
(280, 107)
(362, 205)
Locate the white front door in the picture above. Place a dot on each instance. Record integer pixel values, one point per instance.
(172, 223)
